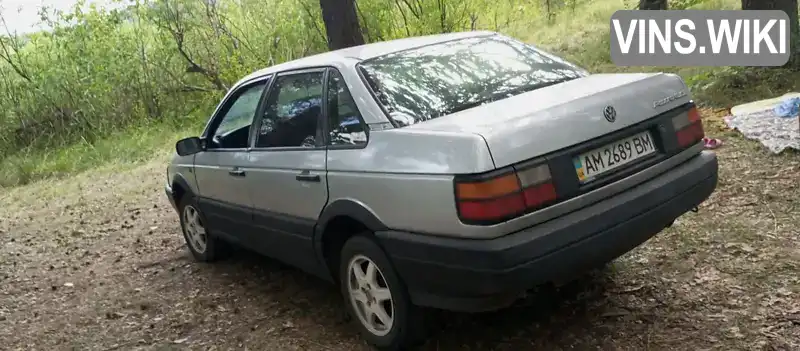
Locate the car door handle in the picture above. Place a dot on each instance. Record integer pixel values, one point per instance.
(305, 177)
(236, 173)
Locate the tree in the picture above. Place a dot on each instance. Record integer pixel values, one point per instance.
(655, 4)
(788, 6)
(341, 23)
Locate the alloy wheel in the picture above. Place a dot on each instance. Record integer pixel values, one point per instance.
(370, 295)
(195, 231)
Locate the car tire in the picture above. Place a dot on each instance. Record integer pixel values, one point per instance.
(406, 327)
(210, 248)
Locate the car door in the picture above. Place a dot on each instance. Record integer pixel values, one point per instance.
(286, 170)
(222, 182)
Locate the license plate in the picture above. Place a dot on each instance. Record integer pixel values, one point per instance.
(602, 160)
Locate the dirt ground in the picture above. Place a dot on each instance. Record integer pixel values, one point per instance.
(96, 262)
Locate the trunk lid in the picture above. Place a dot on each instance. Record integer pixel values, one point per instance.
(539, 122)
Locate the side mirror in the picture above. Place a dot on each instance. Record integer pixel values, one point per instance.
(188, 146)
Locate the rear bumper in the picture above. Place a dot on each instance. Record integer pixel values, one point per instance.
(480, 275)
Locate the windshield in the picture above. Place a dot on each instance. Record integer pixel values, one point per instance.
(436, 80)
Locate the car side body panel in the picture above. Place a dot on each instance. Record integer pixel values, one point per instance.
(224, 199)
(420, 201)
(405, 177)
(181, 172)
(285, 209)
(406, 151)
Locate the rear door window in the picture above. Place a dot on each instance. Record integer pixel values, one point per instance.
(293, 111)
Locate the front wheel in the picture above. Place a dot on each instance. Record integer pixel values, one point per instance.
(203, 246)
(376, 297)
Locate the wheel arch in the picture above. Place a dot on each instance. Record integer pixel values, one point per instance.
(340, 220)
(180, 187)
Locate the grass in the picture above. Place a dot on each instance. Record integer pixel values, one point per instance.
(121, 149)
(580, 35)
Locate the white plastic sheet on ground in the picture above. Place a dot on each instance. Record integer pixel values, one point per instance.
(757, 121)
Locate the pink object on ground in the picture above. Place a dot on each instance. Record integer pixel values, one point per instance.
(712, 143)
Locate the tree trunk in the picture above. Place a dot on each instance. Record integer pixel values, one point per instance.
(341, 23)
(654, 4)
(788, 6)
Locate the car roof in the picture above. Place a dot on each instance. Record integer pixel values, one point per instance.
(364, 52)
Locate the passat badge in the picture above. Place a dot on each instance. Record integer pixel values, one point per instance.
(668, 99)
(610, 114)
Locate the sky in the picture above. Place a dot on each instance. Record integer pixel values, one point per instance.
(22, 15)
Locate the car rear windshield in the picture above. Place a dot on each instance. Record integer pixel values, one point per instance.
(436, 80)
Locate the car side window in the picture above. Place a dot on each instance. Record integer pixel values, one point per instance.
(344, 120)
(292, 113)
(233, 130)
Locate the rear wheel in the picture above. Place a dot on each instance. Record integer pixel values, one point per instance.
(203, 246)
(376, 298)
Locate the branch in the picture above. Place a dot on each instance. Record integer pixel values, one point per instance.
(178, 34)
(364, 23)
(311, 17)
(8, 56)
(242, 40)
(405, 19)
(192, 88)
(412, 9)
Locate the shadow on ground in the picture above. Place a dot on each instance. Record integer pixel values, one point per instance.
(549, 317)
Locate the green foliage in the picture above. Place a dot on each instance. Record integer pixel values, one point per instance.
(99, 73)
(684, 4)
(119, 85)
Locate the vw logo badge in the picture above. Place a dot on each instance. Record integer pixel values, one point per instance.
(610, 113)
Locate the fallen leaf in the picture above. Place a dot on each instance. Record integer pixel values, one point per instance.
(114, 315)
(180, 341)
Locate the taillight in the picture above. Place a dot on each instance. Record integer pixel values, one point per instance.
(505, 194)
(537, 185)
(688, 127)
